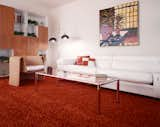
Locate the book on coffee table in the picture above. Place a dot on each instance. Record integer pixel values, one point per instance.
(101, 76)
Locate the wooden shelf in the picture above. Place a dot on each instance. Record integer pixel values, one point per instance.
(27, 22)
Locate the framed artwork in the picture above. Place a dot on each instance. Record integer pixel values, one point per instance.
(119, 25)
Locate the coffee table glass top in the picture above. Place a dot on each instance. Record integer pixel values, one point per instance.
(95, 79)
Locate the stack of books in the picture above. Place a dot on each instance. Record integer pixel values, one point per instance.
(100, 76)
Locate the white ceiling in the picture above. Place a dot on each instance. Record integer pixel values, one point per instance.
(51, 3)
(43, 3)
(39, 6)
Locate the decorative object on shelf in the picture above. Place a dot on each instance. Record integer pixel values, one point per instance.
(19, 22)
(119, 25)
(18, 33)
(52, 39)
(41, 23)
(29, 21)
(32, 22)
(32, 35)
(64, 36)
(35, 23)
(32, 28)
(19, 18)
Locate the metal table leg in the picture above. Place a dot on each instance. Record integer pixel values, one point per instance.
(117, 94)
(98, 99)
(36, 78)
(36, 81)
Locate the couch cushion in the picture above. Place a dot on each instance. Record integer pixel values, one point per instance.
(78, 69)
(78, 60)
(66, 61)
(104, 62)
(133, 76)
(137, 63)
(82, 60)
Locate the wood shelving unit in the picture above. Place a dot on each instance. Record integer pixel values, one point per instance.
(22, 44)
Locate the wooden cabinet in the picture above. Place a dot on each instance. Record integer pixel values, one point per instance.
(21, 45)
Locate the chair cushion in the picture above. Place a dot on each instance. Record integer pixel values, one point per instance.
(34, 67)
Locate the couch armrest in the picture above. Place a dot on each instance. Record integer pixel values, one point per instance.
(156, 79)
(14, 70)
(156, 84)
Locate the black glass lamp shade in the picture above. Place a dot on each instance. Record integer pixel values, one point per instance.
(64, 36)
(52, 39)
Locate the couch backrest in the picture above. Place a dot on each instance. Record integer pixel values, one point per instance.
(130, 63)
(104, 62)
(137, 63)
(66, 61)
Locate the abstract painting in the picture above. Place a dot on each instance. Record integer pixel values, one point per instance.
(119, 25)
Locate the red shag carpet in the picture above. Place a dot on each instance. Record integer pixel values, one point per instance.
(70, 104)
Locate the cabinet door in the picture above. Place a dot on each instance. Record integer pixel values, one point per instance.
(19, 44)
(6, 26)
(5, 41)
(32, 46)
(7, 20)
(43, 37)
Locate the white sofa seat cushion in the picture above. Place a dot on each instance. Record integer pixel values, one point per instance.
(34, 67)
(77, 69)
(133, 76)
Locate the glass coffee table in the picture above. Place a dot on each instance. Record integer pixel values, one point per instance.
(91, 79)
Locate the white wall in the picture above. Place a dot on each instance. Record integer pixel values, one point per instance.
(81, 19)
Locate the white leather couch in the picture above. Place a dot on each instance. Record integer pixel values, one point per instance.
(137, 74)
